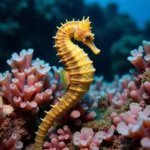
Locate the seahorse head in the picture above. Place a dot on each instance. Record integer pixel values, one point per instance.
(83, 33)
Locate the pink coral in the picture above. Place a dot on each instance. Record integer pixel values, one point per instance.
(119, 99)
(140, 92)
(86, 139)
(11, 144)
(107, 136)
(89, 140)
(30, 85)
(145, 142)
(58, 140)
(5, 110)
(134, 123)
(9, 126)
(116, 93)
(136, 58)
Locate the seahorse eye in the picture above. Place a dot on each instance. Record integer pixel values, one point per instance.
(88, 37)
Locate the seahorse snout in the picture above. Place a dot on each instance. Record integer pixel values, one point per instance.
(92, 46)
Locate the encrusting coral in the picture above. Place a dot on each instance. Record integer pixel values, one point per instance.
(11, 128)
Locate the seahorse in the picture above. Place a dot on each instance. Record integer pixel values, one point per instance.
(77, 75)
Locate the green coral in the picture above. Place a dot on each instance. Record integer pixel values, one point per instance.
(102, 121)
(146, 76)
(102, 102)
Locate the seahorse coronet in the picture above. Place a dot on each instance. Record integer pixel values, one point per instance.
(79, 68)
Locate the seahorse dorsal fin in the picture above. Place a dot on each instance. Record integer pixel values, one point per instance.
(64, 77)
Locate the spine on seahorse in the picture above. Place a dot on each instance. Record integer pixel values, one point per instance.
(79, 72)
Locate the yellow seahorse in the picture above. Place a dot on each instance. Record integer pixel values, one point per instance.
(78, 74)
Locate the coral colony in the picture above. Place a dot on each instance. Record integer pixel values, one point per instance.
(112, 115)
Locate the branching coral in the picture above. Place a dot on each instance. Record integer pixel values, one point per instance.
(134, 123)
(5, 110)
(11, 144)
(115, 93)
(137, 59)
(88, 140)
(128, 86)
(59, 140)
(139, 92)
(128, 119)
(29, 86)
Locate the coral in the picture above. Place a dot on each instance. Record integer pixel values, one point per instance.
(139, 88)
(145, 142)
(102, 121)
(146, 76)
(11, 134)
(134, 123)
(29, 86)
(30, 147)
(11, 128)
(22, 92)
(60, 139)
(137, 59)
(11, 143)
(87, 139)
(115, 93)
(5, 110)
(127, 102)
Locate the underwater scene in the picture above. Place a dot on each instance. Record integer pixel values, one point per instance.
(74, 75)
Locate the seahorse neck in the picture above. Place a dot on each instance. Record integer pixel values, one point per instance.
(64, 36)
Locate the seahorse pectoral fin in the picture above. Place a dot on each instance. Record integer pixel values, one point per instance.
(64, 77)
